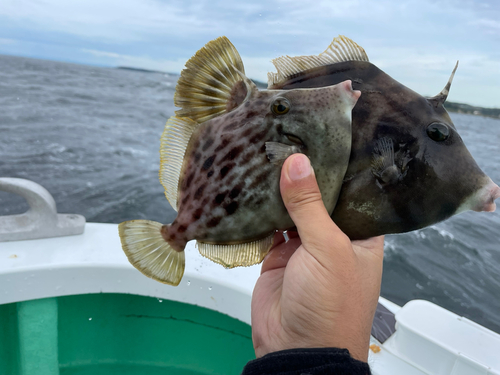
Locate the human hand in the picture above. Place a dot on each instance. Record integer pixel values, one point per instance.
(319, 289)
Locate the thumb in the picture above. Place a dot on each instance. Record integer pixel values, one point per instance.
(302, 199)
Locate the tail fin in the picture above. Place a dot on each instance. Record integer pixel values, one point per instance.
(147, 251)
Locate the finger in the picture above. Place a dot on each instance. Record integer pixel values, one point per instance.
(302, 198)
(279, 256)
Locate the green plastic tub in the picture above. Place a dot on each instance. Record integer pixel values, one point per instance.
(98, 334)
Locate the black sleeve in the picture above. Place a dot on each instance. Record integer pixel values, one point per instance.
(316, 361)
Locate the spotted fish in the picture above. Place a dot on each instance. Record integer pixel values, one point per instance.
(409, 167)
(221, 158)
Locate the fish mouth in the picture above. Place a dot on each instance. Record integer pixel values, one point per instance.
(483, 199)
(492, 195)
(486, 197)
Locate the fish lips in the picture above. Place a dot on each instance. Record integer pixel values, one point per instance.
(487, 197)
(483, 199)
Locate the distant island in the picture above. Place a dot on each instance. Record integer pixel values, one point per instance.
(450, 106)
(472, 110)
(141, 70)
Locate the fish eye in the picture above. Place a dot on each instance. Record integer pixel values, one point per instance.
(438, 132)
(280, 106)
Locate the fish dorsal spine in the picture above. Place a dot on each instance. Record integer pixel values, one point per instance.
(213, 82)
(440, 98)
(340, 49)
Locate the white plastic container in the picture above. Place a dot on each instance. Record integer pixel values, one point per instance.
(440, 342)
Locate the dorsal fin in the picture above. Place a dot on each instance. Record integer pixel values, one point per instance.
(174, 141)
(212, 83)
(340, 49)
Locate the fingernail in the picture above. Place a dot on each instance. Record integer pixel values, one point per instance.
(299, 167)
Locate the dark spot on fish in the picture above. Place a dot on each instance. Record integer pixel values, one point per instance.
(223, 144)
(209, 142)
(220, 197)
(231, 126)
(185, 199)
(197, 156)
(214, 222)
(263, 148)
(249, 155)
(208, 163)
(259, 102)
(205, 201)
(197, 214)
(189, 180)
(196, 144)
(258, 180)
(251, 114)
(210, 173)
(235, 192)
(247, 132)
(181, 229)
(249, 171)
(247, 104)
(259, 201)
(198, 180)
(225, 169)
(233, 154)
(258, 136)
(250, 199)
(172, 236)
(231, 207)
(199, 191)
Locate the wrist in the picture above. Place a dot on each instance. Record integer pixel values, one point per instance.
(314, 361)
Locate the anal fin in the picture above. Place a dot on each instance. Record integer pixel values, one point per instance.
(278, 152)
(235, 255)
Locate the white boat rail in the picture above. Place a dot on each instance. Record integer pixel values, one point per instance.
(41, 220)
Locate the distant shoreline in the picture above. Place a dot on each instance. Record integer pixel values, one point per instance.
(141, 70)
(450, 106)
(472, 110)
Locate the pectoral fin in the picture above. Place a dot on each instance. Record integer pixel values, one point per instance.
(278, 152)
(389, 168)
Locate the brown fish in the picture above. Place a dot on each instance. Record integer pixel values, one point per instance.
(221, 158)
(409, 167)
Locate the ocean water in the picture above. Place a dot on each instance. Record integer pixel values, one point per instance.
(91, 136)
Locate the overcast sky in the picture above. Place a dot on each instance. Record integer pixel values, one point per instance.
(415, 41)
